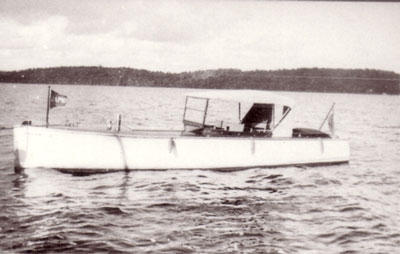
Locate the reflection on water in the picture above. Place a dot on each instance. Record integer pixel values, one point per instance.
(338, 209)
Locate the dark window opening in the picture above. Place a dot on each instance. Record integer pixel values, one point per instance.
(285, 109)
(259, 113)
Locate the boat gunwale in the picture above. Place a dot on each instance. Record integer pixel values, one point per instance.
(178, 134)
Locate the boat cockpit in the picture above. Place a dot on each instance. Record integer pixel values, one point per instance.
(264, 112)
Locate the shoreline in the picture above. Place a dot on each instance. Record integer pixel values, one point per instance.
(359, 81)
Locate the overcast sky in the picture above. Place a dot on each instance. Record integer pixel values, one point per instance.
(177, 36)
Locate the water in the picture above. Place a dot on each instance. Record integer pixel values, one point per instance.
(352, 208)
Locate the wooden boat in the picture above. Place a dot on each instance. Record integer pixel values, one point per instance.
(262, 137)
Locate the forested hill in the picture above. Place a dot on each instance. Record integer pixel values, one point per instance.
(304, 79)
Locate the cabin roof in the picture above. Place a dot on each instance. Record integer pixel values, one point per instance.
(249, 96)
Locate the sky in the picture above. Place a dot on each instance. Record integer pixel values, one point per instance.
(177, 36)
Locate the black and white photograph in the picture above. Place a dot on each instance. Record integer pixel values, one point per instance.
(173, 126)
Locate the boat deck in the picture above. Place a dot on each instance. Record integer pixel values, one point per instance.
(201, 132)
(125, 132)
(158, 133)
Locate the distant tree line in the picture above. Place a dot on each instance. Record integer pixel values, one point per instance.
(303, 79)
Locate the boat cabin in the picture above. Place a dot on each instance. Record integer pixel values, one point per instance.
(237, 113)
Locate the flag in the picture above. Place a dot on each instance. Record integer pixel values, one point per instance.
(331, 123)
(330, 119)
(57, 99)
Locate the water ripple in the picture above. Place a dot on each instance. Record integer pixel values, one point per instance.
(340, 209)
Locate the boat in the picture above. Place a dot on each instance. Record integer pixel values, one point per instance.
(260, 135)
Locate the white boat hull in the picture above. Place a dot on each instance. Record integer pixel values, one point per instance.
(93, 152)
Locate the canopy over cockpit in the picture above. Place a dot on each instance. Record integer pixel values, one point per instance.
(242, 96)
(264, 113)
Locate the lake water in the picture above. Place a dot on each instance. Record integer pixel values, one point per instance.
(350, 208)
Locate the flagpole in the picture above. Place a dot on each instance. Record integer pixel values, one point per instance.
(327, 115)
(48, 107)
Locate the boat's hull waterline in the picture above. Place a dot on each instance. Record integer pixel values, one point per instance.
(76, 151)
